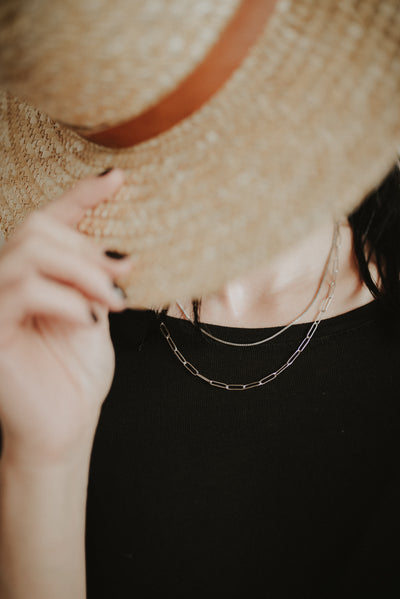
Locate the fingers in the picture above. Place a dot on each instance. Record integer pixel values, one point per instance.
(44, 297)
(57, 285)
(41, 231)
(71, 207)
(92, 282)
(49, 268)
(38, 264)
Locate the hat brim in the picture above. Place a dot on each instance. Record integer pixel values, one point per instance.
(300, 133)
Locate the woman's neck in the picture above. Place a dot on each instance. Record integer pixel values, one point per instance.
(277, 293)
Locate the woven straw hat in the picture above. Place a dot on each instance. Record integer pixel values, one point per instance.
(305, 126)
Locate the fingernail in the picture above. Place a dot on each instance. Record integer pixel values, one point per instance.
(94, 316)
(115, 255)
(106, 171)
(119, 290)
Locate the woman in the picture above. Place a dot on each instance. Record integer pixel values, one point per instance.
(193, 489)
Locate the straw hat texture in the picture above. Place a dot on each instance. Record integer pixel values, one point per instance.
(304, 128)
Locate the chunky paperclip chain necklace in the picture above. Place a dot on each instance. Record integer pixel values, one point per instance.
(326, 302)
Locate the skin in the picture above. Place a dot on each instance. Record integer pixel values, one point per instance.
(56, 367)
(279, 291)
(274, 294)
(51, 279)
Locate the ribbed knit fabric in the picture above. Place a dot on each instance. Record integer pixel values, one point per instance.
(289, 490)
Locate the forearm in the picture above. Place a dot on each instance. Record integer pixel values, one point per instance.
(42, 529)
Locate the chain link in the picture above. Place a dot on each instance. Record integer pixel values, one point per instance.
(325, 303)
(204, 330)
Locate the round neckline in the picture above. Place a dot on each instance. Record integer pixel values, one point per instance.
(334, 324)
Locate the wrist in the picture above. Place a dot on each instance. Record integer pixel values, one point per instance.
(42, 518)
(57, 447)
(40, 458)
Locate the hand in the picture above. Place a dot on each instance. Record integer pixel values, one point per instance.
(56, 355)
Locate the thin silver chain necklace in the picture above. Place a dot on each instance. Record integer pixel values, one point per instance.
(284, 328)
(272, 375)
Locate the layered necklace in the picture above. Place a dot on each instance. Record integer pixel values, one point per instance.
(332, 266)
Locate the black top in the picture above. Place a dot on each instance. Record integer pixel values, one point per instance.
(288, 490)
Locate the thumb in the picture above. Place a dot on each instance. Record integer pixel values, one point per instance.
(72, 206)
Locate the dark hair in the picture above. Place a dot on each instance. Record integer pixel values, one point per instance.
(376, 237)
